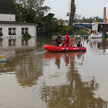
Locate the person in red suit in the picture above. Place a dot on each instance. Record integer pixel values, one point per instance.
(66, 41)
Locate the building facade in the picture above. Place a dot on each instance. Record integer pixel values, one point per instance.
(17, 29)
(10, 25)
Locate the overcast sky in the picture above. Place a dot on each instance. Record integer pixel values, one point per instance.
(86, 8)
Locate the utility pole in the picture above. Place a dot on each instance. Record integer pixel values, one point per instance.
(72, 12)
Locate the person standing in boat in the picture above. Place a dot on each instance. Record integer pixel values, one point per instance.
(66, 41)
(58, 40)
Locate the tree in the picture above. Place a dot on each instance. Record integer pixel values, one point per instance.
(29, 9)
(72, 12)
(90, 19)
(48, 23)
(76, 17)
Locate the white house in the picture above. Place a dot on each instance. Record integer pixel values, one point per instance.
(9, 21)
(17, 29)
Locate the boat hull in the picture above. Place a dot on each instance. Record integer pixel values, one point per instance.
(95, 35)
(52, 48)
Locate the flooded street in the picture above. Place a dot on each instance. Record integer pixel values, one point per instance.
(34, 78)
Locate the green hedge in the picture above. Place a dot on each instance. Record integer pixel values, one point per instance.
(26, 36)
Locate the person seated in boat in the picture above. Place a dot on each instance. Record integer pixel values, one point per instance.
(79, 44)
(66, 41)
(57, 40)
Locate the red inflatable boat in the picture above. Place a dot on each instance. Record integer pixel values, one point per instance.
(52, 48)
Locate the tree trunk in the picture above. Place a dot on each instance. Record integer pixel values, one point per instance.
(71, 14)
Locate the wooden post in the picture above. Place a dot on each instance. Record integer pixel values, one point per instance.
(104, 17)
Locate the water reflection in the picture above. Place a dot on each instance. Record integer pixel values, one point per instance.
(17, 42)
(2, 64)
(74, 94)
(68, 57)
(26, 66)
(21, 60)
(52, 80)
(12, 42)
(77, 94)
(28, 69)
(101, 44)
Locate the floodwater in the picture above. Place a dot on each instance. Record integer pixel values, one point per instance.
(34, 78)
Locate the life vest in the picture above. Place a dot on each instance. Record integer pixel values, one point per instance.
(58, 39)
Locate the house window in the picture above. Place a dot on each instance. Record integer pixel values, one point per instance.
(11, 31)
(1, 32)
(24, 30)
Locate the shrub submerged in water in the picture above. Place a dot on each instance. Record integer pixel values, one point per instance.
(1, 34)
(26, 36)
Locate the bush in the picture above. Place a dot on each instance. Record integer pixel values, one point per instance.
(81, 32)
(1, 34)
(26, 36)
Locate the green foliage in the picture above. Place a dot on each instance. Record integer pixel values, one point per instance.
(54, 27)
(80, 32)
(1, 34)
(74, 6)
(26, 36)
(48, 23)
(31, 10)
(90, 19)
(1, 39)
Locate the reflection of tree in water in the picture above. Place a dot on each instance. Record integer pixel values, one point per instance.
(57, 62)
(79, 56)
(75, 94)
(42, 40)
(28, 69)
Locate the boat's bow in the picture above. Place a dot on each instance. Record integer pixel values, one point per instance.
(51, 48)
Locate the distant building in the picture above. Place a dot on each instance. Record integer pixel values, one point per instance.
(10, 25)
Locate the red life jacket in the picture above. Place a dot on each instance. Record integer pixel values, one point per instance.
(67, 39)
(58, 39)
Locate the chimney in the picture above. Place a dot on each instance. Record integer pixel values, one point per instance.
(104, 17)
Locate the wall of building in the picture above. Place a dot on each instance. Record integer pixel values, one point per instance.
(32, 29)
(7, 17)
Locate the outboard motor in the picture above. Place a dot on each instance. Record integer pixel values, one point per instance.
(79, 44)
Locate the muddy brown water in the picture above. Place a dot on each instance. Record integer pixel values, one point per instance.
(34, 78)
